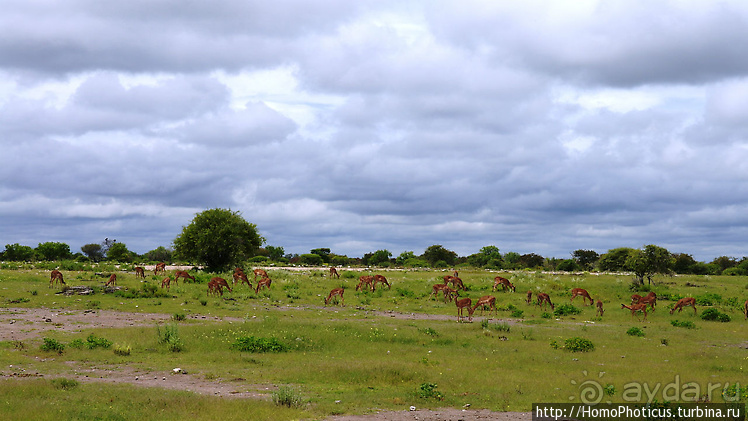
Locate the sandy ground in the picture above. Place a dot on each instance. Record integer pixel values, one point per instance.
(19, 324)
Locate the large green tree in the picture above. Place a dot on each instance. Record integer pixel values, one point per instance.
(53, 251)
(649, 261)
(219, 239)
(18, 253)
(437, 253)
(93, 251)
(118, 252)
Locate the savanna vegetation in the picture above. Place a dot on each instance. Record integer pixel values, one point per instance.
(386, 349)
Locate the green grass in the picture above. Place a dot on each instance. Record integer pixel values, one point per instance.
(339, 360)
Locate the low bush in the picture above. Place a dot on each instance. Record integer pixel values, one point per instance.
(574, 345)
(428, 391)
(715, 315)
(566, 310)
(287, 396)
(686, 324)
(64, 384)
(254, 344)
(52, 345)
(635, 331)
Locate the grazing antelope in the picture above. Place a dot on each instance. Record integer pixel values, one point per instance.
(214, 288)
(486, 300)
(261, 273)
(160, 267)
(336, 291)
(503, 282)
(183, 274)
(55, 276)
(684, 302)
(529, 297)
(242, 277)
(650, 299)
(463, 304)
(455, 281)
(139, 272)
(264, 282)
(579, 292)
(745, 309)
(380, 279)
(166, 283)
(221, 283)
(600, 310)
(112, 281)
(544, 300)
(636, 307)
(365, 279)
(437, 288)
(334, 273)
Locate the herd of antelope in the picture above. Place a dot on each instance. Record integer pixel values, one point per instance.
(450, 289)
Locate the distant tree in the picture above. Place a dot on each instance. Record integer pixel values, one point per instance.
(118, 252)
(18, 253)
(531, 260)
(725, 262)
(569, 265)
(512, 259)
(93, 251)
(648, 262)
(404, 256)
(683, 263)
(160, 254)
(436, 253)
(377, 258)
(585, 258)
(614, 260)
(552, 263)
(53, 251)
(311, 259)
(338, 260)
(219, 239)
(487, 256)
(275, 253)
(322, 252)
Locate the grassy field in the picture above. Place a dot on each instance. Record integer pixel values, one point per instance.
(359, 358)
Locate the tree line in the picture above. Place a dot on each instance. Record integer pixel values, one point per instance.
(220, 239)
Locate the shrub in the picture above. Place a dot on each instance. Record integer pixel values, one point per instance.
(428, 391)
(64, 384)
(566, 310)
(170, 338)
(178, 317)
(635, 331)
(574, 345)
(254, 344)
(429, 331)
(123, 350)
(52, 345)
(715, 315)
(501, 327)
(287, 396)
(708, 299)
(546, 315)
(686, 324)
(518, 313)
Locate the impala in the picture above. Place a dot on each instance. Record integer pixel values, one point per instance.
(684, 302)
(579, 292)
(336, 292)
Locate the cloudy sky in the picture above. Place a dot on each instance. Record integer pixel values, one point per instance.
(536, 126)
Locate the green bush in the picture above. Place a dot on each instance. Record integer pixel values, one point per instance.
(518, 313)
(566, 310)
(715, 315)
(428, 391)
(686, 324)
(170, 337)
(123, 350)
(178, 317)
(574, 345)
(64, 384)
(254, 344)
(635, 331)
(287, 396)
(52, 345)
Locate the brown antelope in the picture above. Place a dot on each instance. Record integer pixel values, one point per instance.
(463, 304)
(336, 291)
(261, 273)
(600, 310)
(160, 267)
(450, 294)
(264, 282)
(503, 282)
(486, 300)
(183, 274)
(745, 309)
(214, 288)
(334, 273)
(112, 281)
(455, 281)
(166, 283)
(221, 283)
(579, 292)
(437, 288)
(684, 302)
(365, 279)
(545, 299)
(529, 297)
(636, 307)
(379, 279)
(650, 299)
(55, 276)
(139, 272)
(242, 277)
